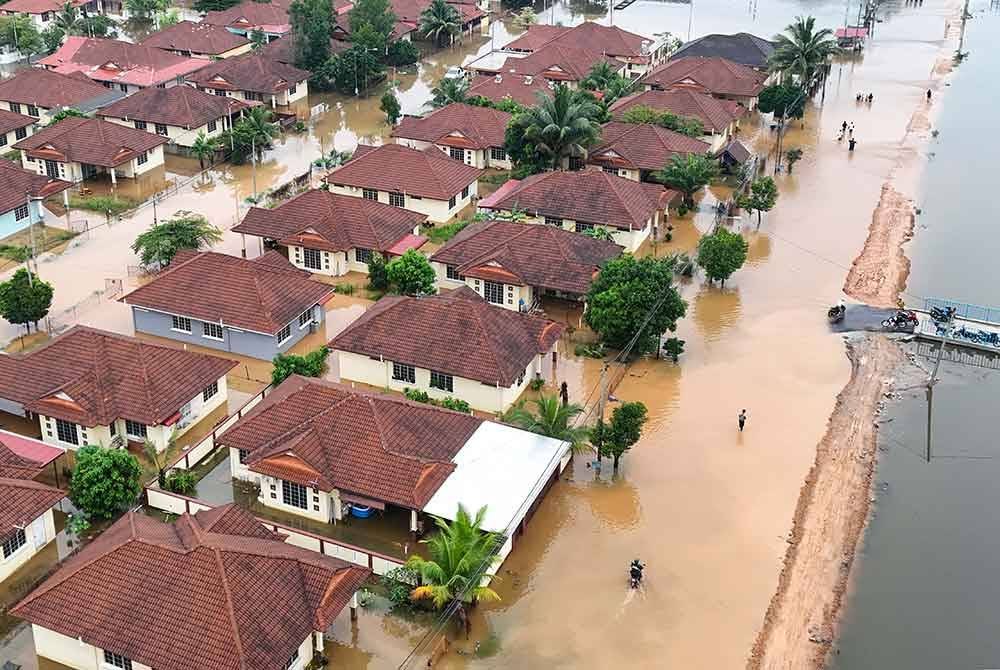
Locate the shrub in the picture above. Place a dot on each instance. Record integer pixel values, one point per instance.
(590, 350)
(378, 278)
(181, 481)
(536, 384)
(105, 481)
(456, 404)
(398, 583)
(102, 203)
(345, 288)
(416, 395)
(441, 234)
(402, 53)
(311, 365)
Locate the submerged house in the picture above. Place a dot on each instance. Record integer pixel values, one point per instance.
(467, 133)
(333, 234)
(212, 591)
(453, 344)
(199, 40)
(43, 93)
(21, 196)
(253, 77)
(637, 150)
(719, 118)
(258, 308)
(89, 386)
(743, 48)
(715, 76)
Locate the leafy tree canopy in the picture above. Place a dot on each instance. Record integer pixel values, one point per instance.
(389, 104)
(185, 230)
(411, 274)
(105, 481)
(25, 299)
(19, 33)
(783, 100)
(311, 23)
(617, 437)
(689, 174)
(376, 15)
(312, 364)
(440, 22)
(679, 124)
(801, 49)
(721, 254)
(402, 52)
(66, 113)
(762, 197)
(214, 5)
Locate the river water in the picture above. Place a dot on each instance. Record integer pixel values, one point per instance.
(928, 581)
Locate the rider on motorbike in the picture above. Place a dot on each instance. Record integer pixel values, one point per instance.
(635, 571)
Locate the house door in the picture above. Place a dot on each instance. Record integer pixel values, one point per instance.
(38, 532)
(52, 169)
(89, 171)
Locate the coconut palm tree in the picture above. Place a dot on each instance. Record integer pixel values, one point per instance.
(255, 129)
(449, 90)
(550, 418)
(459, 554)
(562, 125)
(204, 148)
(440, 21)
(67, 20)
(688, 174)
(801, 50)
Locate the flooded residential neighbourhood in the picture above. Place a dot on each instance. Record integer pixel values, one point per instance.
(820, 535)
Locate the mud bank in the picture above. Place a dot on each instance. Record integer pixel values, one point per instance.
(878, 275)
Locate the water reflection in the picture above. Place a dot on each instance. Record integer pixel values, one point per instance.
(716, 310)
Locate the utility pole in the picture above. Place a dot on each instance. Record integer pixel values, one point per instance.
(31, 237)
(253, 162)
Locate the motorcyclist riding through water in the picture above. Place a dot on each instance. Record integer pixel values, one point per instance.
(635, 573)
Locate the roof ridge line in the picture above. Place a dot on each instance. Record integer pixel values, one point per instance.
(217, 553)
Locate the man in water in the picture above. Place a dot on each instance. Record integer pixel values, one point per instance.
(742, 418)
(928, 95)
(851, 143)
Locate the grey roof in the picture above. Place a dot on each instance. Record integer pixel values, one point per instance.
(89, 106)
(742, 48)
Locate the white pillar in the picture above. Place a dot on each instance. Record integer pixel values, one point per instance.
(413, 521)
(114, 177)
(354, 606)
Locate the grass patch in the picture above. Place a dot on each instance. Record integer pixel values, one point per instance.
(496, 179)
(14, 252)
(102, 203)
(441, 234)
(12, 156)
(345, 288)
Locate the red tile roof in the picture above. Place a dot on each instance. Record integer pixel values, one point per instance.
(183, 106)
(457, 333)
(177, 597)
(642, 146)
(519, 88)
(409, 11)
(395, 168)
(327, 435)
(281, 49)
(198, 38)
(15, 182)
(45, 88)
(475, 127)
(610, 40)
(716, 115)
(15, 466)
(93, 141)
(589, 196)
(543, 256)
(271, 17)
(12, 121)
(535, 37)
(26, 452)
(249, 72)
(120, 62)
(93, 377)
(714, 75)
(261, 295)
(331, 222)
(562, 62)
(22, 501)
(37, 6)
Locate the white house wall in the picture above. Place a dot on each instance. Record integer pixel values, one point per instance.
(24, 554)
(184, 137)
(435, 210)
(630, 239)
(514, 294)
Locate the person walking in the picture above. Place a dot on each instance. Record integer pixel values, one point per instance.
(850, 130)
(928, 95)
(564, 393)
(871, 98)
(850, 144)
(843, 127)
(742, 418)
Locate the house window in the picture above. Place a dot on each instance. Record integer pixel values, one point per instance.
(243, 456)
(21, 133)
(113, 427)
(369, 194)
(363, 255)
(139, 125)
(575, 163)
(52, 169)
(66, 431)
(142, 158)
(451, 202)
(15, 107)
(3, 139)
(465, 193)
(284, 334)
(452, 273)
(404, 373)
(493, 292)
(305, 318)
(312, 258)
(291, 89)
(440, 380)
(21, 213)
(212, 331)
(181, 324)
(294, 494)
(498, 154)
(46, 17)
(553, 221)
(117, 661)
(209, 391)
(124, 89)
(219, 92)
(520, 380)
(457, 154)
(135, 429)
(14, 542)
(161, 129)
(583, 227)
(397, 199)
(212, 126)
(32, 110)
(292, 660)
(610, 170)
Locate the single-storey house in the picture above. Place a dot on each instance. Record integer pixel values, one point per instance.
(21, 196)
(179, 113)
(471, 15)
(258, 308)
(715, 76)
(27, 523)
(76, 149)
(199, 40)
(567, 64)
(743, 48)
(253, 77)
(122, 65)
(89, 386)
(315, 448)
(281, 50)
(499, 258)
(425, 181)
(636, 150)
(461, 343)
(586, 199)
(522, 89)
(271, 18)
(212, 591)
(720, 118)
(43, 12)
(471, 134)
(14, 127)
(42, 93)
(331, 234)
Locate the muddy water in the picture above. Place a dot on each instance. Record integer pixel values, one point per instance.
(926, 590)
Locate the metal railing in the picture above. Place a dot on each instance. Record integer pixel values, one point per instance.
(964, 310)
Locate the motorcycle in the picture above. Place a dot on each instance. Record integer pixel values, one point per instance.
(903, 321)
(635, 575)
(836, 313)
(942, 314)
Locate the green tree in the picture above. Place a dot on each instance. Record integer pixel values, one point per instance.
(99, 25)
(52, 38)
(254, 132)
(146, 9)
(258, 38)
(67, 19)
(185, 230)
(458, 554)
(624, 430)
(605, 78)
(402, 52)
(312, 364)
(721, 254)
(440, 22)
(673, 347)
(25, 299)
(599, 233)
(688, 174)
(621, 298)
(378, 278)
(170, 17)
(19, 32)
(389, 104)
(782, 100)
(105, 481)
(509, 105)
(550, 418)
(560, 126)
(65, 114)
(203, 148)
(801, 49)
(793, 156)
(376, 16)
(311, 23)
(685, 125)
(205, 6)
(762, 197)
(411, 274)
(449, 90)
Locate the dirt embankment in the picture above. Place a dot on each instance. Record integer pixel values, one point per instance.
(878, 275)
(829, 519)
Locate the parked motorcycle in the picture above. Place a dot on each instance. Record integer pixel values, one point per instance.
(903, 321)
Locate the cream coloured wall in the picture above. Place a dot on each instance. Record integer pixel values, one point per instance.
(184, 137)
(327, 502)
(24, 554)
(436, 210)
(334, 263)
(513, 293)
(71, 652)
(630, 239)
